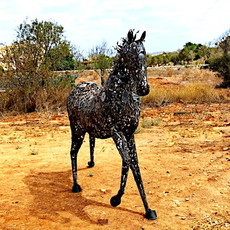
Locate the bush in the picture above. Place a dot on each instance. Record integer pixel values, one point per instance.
(222, 66)
(28, 80)
(30, 95)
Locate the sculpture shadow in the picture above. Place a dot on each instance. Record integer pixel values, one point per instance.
(52, 195)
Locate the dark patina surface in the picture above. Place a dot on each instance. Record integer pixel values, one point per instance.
(113, 111)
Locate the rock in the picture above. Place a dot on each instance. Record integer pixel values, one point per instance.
(177, 203)
(170, 144)
(103, 190)
(91, 174)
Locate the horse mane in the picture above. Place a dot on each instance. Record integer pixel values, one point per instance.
(118, 63)
(131, 37)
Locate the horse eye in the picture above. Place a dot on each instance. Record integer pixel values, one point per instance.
(141, 56)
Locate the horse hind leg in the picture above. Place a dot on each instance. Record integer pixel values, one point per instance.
(92, 145)
(76, 144)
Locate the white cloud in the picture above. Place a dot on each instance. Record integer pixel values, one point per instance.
(169, 24)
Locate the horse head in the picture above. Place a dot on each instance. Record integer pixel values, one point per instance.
(132, 56)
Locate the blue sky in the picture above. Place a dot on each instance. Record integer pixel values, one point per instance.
(169, 23)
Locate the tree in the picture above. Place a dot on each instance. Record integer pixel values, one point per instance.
(223, 43)
(186, 54)
(191, 51)
(192, 46)
(101, 55)
(48, 40)
(203, 52)
(149, 60)
(166, 58)
(63, 56)
(221, 63)
(174, 57)
(39, 48)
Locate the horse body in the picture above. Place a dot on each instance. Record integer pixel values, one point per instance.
(103, 111)
(113, 111)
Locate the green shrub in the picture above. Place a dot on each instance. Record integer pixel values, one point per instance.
(222, 66)
(147, 123)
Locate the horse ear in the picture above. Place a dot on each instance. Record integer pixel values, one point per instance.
(130, 36)
(143, 36)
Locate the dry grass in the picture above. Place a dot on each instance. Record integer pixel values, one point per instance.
(90, 76)
(44, 99)
(185, 75)
(167, 86)
(187, 85)
(190, 93)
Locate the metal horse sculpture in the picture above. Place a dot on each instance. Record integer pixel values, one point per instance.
(113, 111)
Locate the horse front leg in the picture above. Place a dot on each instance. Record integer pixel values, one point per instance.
(76, 144)
(92, 145)
(121, 144)
(116, 200)
(150, 214)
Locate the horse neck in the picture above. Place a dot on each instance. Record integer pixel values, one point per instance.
(116, 85)
(119, 79)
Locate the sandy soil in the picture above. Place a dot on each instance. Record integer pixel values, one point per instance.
(184, 156)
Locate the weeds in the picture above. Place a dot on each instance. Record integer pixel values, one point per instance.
(32, 96)
(138, 130)
(146, 123)
(91, 174)
(190, 93)
(34, 152)
(28, 94)
(156, 121)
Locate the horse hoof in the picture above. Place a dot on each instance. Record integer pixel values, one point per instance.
(76, 188)
(151, 215)
(115, 201)
(90, 164)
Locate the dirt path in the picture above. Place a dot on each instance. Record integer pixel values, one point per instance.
(184, 155)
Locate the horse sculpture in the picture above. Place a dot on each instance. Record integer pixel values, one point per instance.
(113, 111)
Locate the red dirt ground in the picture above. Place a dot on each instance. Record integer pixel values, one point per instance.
(184, 156)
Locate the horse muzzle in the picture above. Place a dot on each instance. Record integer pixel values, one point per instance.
(143, 90)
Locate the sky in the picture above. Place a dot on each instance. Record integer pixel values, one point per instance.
(169, 24)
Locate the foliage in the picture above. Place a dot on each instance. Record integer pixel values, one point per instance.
(223, 42)
(190, 52)
(39, 48)
(186, 54)
(100, 55)
(61, 58)
(48, 41)
(146, 123)
(32, 97)
(221, 63)
(193, 51)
